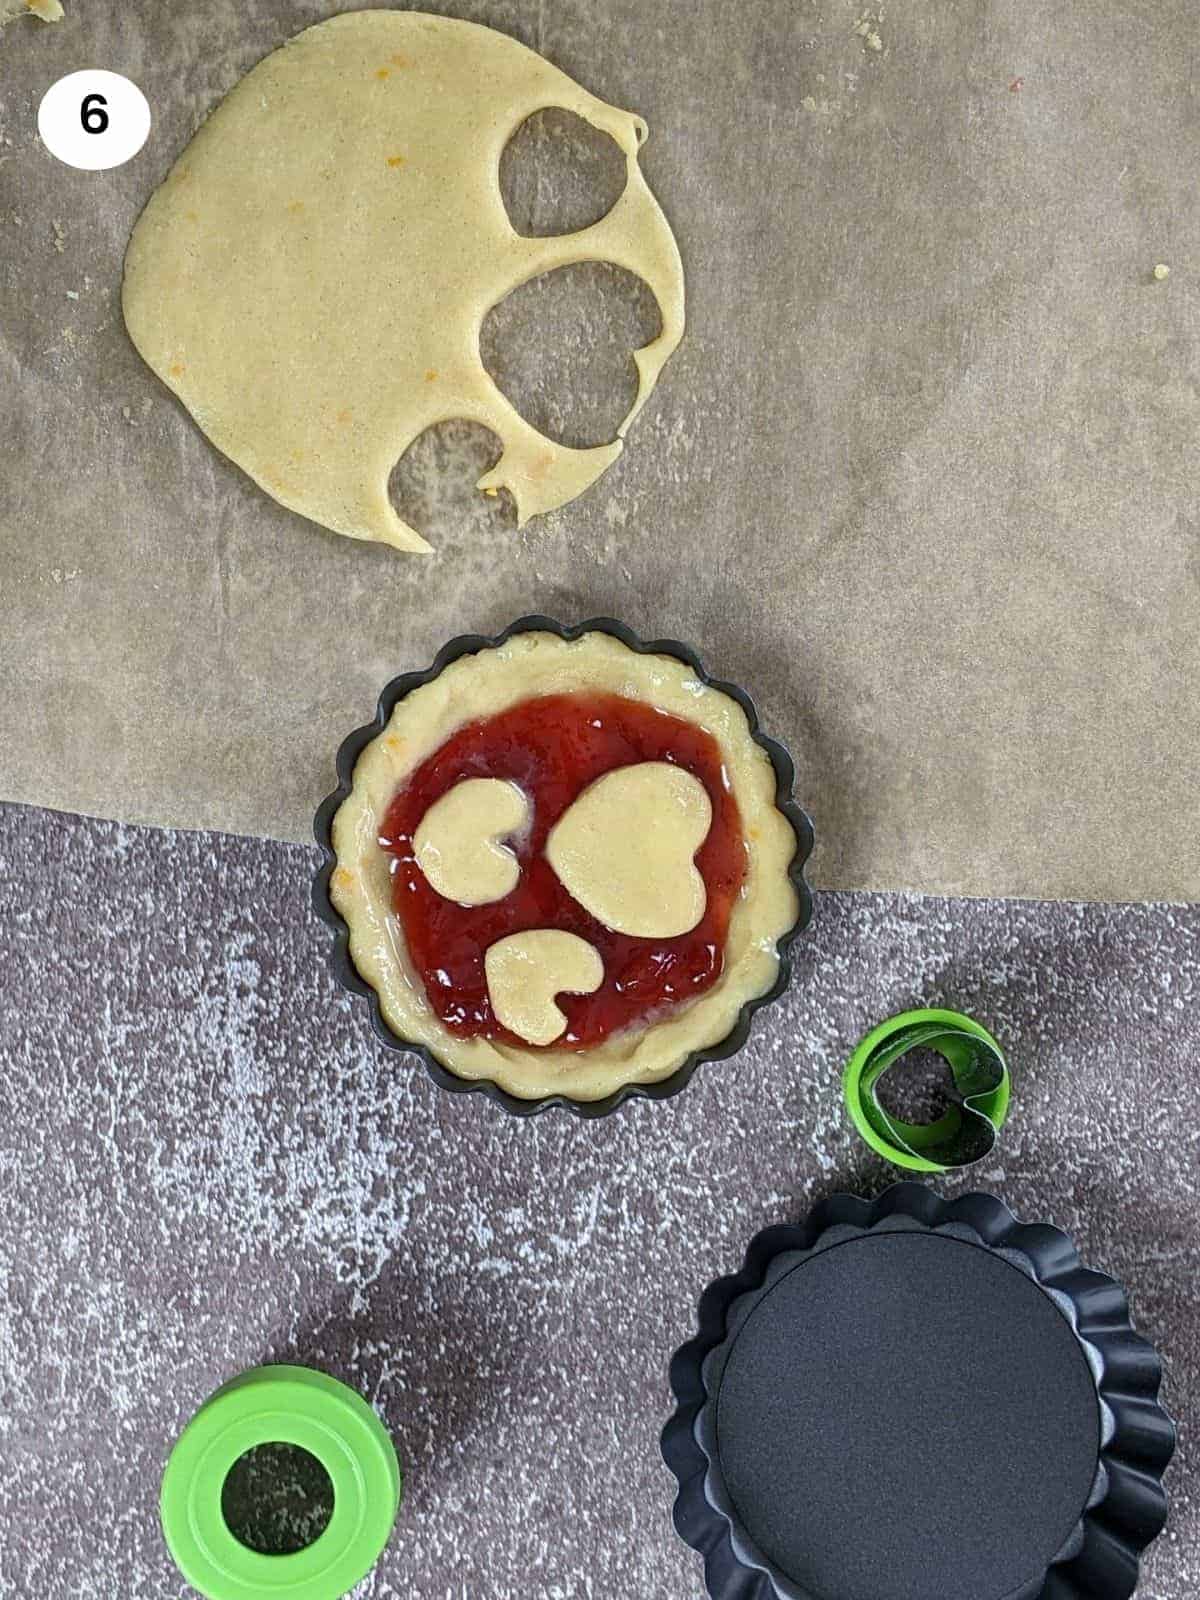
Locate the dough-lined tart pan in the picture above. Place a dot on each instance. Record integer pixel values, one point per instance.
(778, 862)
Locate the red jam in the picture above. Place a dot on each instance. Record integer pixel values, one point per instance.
(552, 748)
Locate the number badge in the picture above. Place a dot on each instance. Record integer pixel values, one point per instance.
(94, 119)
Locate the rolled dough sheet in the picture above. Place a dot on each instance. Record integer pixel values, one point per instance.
(922, 475)
(312, 277)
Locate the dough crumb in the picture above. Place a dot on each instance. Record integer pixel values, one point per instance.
(1162, 271)
(59, 235)
(72, 294)
(867, 29)
(44, 10)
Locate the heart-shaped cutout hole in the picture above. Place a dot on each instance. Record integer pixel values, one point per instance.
(527, 970)
(626, 849)
(458, 843)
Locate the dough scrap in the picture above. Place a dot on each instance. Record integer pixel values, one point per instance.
(311, 277)
(45, 10)
(625, 849)
(526, 971)
(457, 844)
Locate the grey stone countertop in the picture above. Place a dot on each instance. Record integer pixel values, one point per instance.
(207, 1162)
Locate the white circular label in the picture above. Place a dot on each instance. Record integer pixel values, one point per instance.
(94, 119)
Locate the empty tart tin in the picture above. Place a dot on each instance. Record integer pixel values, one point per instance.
(347, 829)
(910, 1397)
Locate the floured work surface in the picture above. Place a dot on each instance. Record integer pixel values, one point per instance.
(921, 474)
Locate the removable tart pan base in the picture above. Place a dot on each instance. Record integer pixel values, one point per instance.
(915, 1398)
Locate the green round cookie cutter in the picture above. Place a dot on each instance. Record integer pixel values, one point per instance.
(967, 1131)
(287, 1405)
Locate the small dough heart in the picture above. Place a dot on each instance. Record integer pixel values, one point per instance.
(526, 971)
(457, 845)
(625, 849)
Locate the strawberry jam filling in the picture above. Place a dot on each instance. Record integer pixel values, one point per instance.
(553, 747)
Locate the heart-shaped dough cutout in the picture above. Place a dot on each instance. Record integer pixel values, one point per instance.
(526, 971)
(457, 845)
(626, 849)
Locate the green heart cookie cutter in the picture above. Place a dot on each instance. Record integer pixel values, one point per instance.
(980, 1079)
(284, 1405)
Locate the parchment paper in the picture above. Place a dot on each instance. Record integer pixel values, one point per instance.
(922, 475)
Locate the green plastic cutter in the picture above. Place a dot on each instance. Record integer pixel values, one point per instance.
(287, 1405)
(967, 1131)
